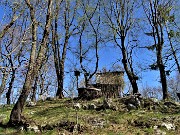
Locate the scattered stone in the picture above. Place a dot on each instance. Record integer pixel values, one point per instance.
(21, 128)
(155, 127)
(155, 100)
(32, 112)
(33, 128)
(115, 108)
(96, 122)
(92, 106)
(169, 126)
(31, 104)
(107, 103)
(49, 98)
(131, 107)
(48, 127)
(77, 106)
(137, 103)
(134, 100)
(85, 106)
(159, 132)
(75, 129)
(67, 125)
(170, 104)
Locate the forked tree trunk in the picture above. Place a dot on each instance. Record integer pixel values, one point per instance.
(16, 113)
(158, 34)
(131, 76)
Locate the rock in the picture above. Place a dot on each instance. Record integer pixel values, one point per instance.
(131, 107)
(169, 104)
(134, 100)
(85, 106)
(155, 127)
(33, 128)
(77, 106)
(48, 127)
(97, 123)
(21, 128)
(169, 126)
(115, 108)
(31, 104)
(92, 106)
(76, 129)
(155, 100)
(159, 132)
(32, 112)
(49, 98)
(131, 100)
(107, 103)
(137, 103)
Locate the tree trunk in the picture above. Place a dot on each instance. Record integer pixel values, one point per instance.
(162, 75)
(132, 78)
(15, 116)
(60, 79)
(8, 94)
(33, 97)
(3, 84)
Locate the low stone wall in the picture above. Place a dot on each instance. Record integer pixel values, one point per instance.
(89, 93)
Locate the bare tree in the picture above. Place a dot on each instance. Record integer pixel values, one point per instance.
(68, 8)
(171, 35)
(34, 62)
(120, 20)
(155, 11)
(174, 86)
(90, 13)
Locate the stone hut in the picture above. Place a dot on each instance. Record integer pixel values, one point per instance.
(110, 83)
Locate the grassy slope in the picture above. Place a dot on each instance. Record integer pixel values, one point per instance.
(116, 122)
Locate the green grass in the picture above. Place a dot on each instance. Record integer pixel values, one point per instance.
(116, 122)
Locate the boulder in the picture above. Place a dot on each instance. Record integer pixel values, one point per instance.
(49, 98)
(107, 103)
(31, 104)
(97, 122)
(92, 106)
(131, 107)
(155, 100)
(134, 101)
(169, 126)
(85, 106)
(33, 128)
(77, 106)
(170, 104)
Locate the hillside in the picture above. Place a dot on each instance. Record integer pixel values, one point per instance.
(96, 117)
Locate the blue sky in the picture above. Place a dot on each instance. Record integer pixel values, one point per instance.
(109, 55)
